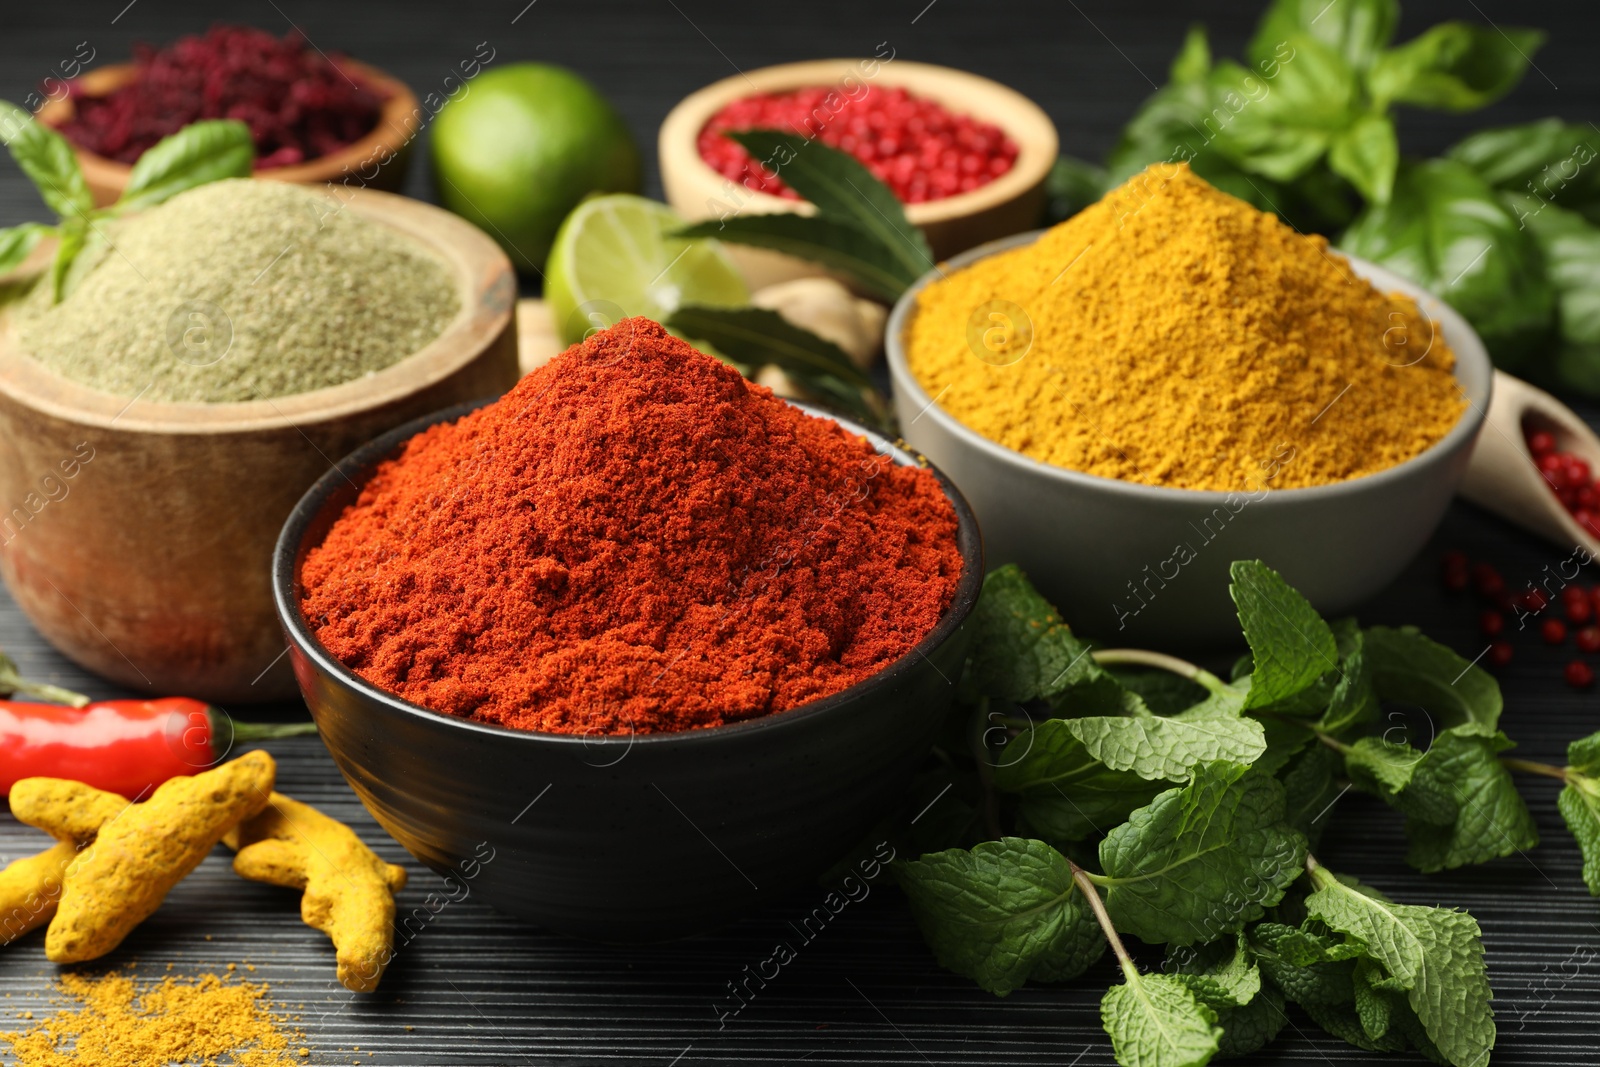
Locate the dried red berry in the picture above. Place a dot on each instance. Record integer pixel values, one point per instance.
(1587, 639)
(1579, 611)
(1487, 580)
(1533, 600)
(1500, 654)
(1541, 442)
(1579, 674)
(1491, 623)
(1554, 631)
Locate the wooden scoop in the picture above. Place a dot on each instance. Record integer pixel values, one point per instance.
(1502, 475)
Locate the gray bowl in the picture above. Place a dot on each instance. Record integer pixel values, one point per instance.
(1139, 564)
(639, 838)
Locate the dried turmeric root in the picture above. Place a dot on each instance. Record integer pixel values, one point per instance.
(141, 853)
(349, 890)
(30, 888)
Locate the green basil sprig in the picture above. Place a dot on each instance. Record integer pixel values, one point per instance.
(199, 153)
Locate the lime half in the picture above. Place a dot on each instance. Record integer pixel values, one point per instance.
(613, 259)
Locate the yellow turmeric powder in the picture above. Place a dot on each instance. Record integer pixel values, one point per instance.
(1173, 335)
(116, 1024)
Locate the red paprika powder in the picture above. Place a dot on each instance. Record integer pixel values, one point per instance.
(635, 538)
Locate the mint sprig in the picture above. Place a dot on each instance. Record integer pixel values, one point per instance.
(199, 153)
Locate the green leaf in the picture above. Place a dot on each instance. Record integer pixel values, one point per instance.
(1446, 229)
(1388, 770)
(1192, 64)
(1201, 860)
(1169, 125)
(1003, 913)
(199, 153)
(1067, 794)
(1367, 154)
(1281, 127)
(1163, 692)
(1072, 186)
(1454, 66)
(1155, 1021)
(1022, 650)
(1355, 30)
(842, 247)
(1290, 644)
(1225, 978)
(1310, 788)
(1549, 161)
(1580, 804)
(1157, 748)
(48, 159)
(842, 189)
(1254, 1026)
(1434, 953)
(1570, 246)
(1413, 669)
(1492, 820)
(758, 336)
(18, 242)
(1354, 702)
(74, 239)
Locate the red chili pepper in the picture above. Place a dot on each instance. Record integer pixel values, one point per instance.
(122, 746)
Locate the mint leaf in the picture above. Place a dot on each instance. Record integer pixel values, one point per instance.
(1354, 701)
(1201, 860)
(1388, 770)
(1166, 749)
(843, 247)
(1289, 643)
(1491, 818)
(1163, 692)
(1067, 794)
(1022, 650)
(1435, 955)
(843, 189)
(1580, 804)
(1225, 978)
(47, 158)
(199, 153)
(1310, 788)
(1409, 667)
(18, 242)
(1155, 1021)
(1003, 913)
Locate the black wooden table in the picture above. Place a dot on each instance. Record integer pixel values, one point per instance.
(471, 987)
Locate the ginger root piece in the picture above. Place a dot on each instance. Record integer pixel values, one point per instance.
(30, 888)
(349, 890)
(140, 854)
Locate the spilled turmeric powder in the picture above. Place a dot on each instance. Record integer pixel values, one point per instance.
(115, 1023)
(1173, 335)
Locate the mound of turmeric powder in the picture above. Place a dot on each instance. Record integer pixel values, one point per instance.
(1173, 335)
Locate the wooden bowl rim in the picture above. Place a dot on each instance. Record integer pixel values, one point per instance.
(397, 124)
(485, 281)
(1024, 121)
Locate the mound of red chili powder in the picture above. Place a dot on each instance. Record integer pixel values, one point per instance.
(634, 538)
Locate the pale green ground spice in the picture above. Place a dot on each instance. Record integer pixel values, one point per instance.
(313, 297)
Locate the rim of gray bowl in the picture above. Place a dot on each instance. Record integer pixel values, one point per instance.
(357, 468)
(1464, 342)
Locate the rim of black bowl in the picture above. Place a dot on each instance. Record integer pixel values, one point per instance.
(356, 468)
(1460, 435)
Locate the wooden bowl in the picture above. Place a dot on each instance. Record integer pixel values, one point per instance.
(1010, 204)
(137, 536)
(377, 161)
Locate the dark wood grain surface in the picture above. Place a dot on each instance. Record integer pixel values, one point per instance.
(471, 987)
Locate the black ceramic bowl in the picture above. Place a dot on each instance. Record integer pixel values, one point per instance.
(637, 838)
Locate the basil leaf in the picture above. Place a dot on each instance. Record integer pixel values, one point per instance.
(1367, 154)
(1548, 160)
(199, 153)
(1571, 250)
(1282, 126)
(74, 237)
(48, 159)
(1455, 66)
(1445, 229)
(18, 242)
(1353, 29)
(842, 247)
(842, 189)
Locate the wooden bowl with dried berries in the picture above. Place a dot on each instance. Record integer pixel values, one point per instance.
(315, 118)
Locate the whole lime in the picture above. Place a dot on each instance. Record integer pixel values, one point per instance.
(522, 147)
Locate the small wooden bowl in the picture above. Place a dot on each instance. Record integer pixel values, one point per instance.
(377, 161)
(1010, 204)
(137, 536)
